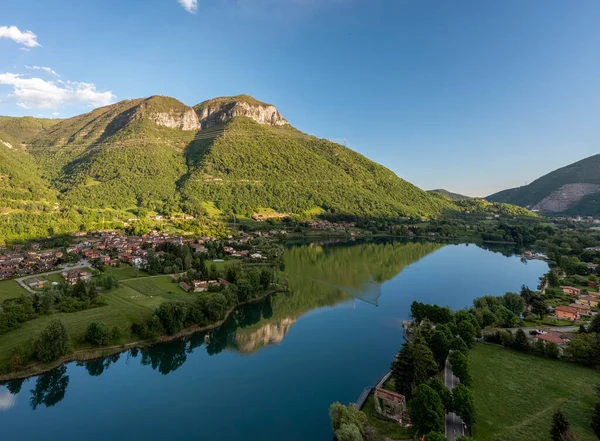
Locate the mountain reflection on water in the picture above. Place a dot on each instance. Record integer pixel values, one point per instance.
(318, 276)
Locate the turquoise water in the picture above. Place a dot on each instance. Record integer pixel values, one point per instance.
(272, 370)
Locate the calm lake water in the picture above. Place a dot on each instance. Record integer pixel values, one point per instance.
(272, 370)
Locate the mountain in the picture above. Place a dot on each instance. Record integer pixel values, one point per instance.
(448, 194)
(574, 189)
(233, 154)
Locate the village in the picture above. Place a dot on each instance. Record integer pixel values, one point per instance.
(112, 248)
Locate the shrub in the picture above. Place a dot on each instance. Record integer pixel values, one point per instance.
(53, 342)
(97, 334)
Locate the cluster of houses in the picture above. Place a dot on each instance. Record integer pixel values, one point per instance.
(74, 276)
(582, 305)
(326, 225)
(16, 262)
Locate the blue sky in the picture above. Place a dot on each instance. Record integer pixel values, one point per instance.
(469, 95)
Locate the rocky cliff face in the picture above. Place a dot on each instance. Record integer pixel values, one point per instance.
(269, 334)
(188, 120)
(221, 110)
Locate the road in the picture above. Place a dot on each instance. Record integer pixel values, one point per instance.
(454, 425)
(551, 328)
(21, 280)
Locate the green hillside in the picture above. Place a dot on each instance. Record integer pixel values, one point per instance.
(249, 167)
(572, 189)
(26, 127)
(20, 178)
(449, 194)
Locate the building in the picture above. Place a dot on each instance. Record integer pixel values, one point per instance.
(390, 404)
(185, 286)
(200, 286)
(570, 290)
(567, 313)
(590, 301)
(582, 309)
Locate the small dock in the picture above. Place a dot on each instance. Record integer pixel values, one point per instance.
(363, 397)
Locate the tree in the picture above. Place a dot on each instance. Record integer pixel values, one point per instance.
(539, 307)
(427, 410)
(468, 332)
(53, 342)
(444, 393)
(539, 347)
(459, 345)
(348, 432)
(439, 344)
(96, 334)
(341, 415)
(413, 366)
(435, 436)
(80, 290)
(460, 366)
(521, 341)
(172, 316)
(552, 350)
(526, 295)
(514, 302)
(594, 325)
(507, 338)
(462, 401)
(560, 426)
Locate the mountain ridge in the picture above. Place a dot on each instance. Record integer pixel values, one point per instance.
(573, 189)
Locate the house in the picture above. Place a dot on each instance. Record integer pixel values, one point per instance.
(200, 286)
(390, 404)
(582, 309)
(551, 336)
(590, 301)
(566, 313)
(570, 290)
(197, 248)
(592, 284)
(185, 286)
(71, 277)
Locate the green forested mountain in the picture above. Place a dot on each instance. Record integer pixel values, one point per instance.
(573, 189)
(231, 155)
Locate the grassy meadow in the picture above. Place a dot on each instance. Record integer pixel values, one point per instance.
(516, 394)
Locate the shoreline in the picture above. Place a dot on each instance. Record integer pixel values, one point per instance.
(38, 368)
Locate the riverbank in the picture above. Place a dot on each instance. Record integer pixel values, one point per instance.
(92, 353)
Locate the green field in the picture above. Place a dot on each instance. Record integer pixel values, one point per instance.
(125, 272)
(9, 289)
(133, 301)
(161, 286)
(516, 394)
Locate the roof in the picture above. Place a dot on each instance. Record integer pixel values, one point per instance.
(570, 309)
(553, 337)
(389, 395)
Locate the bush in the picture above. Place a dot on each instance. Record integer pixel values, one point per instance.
(115, 334)
(97, 334)
(53, 342)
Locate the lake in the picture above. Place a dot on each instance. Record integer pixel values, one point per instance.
(271, 371)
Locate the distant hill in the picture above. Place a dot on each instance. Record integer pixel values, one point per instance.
(452, 196)
(24, 128)
(573, 190)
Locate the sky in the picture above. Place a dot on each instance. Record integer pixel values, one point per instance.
(468, 95)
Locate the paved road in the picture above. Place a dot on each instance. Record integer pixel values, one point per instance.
(551, 328)
(454, 425)
(21, 280)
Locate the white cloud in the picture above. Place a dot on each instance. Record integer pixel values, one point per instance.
(55, 113)
(189, 5)
(27, 38)
(36, 93)
(44, 68)
(7, 400)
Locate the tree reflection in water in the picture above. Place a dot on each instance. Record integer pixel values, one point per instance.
(50, 388)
